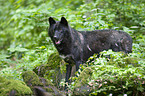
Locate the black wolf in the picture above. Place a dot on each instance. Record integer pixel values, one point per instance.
(78, 46)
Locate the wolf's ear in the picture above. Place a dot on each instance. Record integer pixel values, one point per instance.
(51, 21)
(64, 21)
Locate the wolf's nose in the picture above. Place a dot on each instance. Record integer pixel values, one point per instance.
(55, 37)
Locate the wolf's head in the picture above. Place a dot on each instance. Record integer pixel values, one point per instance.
(59, 31)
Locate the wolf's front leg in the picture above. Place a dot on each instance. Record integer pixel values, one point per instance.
(78, 65)
(68, 74)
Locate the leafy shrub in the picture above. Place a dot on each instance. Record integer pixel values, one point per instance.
(117, 75)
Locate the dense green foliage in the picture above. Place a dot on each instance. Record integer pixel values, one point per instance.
(25, 44)
(119, 74)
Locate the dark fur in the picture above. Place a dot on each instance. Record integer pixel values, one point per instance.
(78, 46)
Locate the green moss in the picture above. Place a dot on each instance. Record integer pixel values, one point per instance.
(53, 70)
(124, 61)
(81, 87)
(31, 78)
(45, 83)
(132, 61)
(54, 60)
(8, 85)
(83, 78)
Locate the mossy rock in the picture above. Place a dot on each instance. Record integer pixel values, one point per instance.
(20, 88)
(54, 61)
(31, 78)
(81, 87)
(40, 85)
(54, 70)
